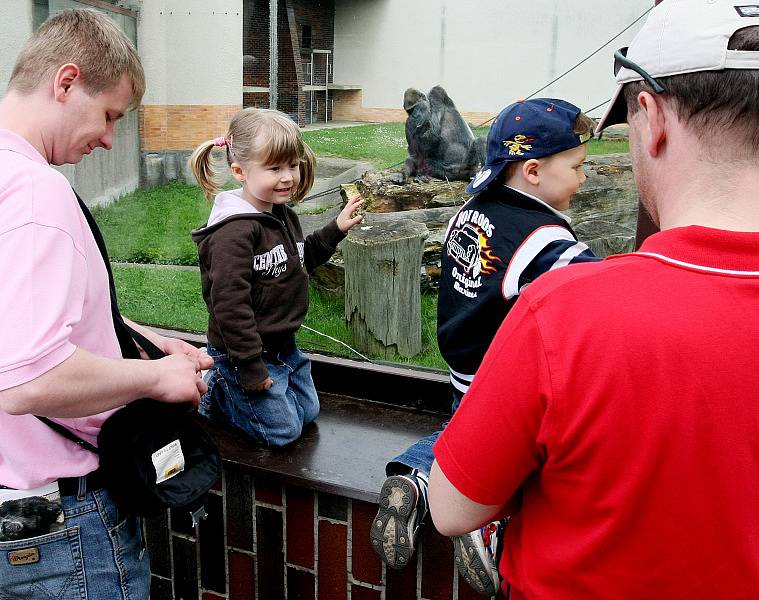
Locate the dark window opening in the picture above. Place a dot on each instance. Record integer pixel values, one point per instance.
(305, 36)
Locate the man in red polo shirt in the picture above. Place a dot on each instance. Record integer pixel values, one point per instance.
(621, 396)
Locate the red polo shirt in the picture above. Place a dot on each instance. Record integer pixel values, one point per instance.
(621, 397)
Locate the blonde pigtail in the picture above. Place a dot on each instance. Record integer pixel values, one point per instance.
(201, 165)
(307, 171)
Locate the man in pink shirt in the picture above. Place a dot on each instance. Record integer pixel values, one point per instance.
(76, 76)
(621, 396)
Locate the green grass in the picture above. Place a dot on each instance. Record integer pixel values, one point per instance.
(607, 147)
(153, 225)
(172, 298)
(161, 296)
(385, 144)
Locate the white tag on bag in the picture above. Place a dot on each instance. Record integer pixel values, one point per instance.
(168, 461)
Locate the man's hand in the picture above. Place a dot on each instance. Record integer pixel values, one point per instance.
(179, 379)
(176, 346)
(171, 345)
(86, 384)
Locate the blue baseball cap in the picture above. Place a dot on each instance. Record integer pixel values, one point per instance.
(528, 129)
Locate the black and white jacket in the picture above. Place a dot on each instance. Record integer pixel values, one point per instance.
(496, 244)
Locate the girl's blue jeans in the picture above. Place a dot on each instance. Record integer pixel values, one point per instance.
(98, 556)
(273, 417)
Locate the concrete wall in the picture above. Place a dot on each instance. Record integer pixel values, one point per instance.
(486, 54)
(16, 18)
(106, 175)
(191, 51)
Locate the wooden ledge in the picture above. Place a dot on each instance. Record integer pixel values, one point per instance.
(343, 453)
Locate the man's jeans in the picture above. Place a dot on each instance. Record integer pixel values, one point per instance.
(98, 556)
(419, 455)
(273, 417)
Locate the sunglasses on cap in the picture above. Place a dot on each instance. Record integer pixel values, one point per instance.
(621, 60)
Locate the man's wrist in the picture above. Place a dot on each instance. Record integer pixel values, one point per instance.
(148, 378)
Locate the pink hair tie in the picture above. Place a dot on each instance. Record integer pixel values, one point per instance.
(220, 141)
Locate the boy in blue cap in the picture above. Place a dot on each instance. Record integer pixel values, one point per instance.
(504, 237)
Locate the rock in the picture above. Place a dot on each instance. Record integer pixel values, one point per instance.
(604, 213)
(382, 195)
(152, 170)
(616, 132)
(445, 200)
(330, 277)
(331, 173)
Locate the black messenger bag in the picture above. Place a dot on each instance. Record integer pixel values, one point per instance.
(153, 455)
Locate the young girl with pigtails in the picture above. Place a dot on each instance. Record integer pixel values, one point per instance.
(254, 266)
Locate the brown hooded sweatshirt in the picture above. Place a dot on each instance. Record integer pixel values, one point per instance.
(254, 270)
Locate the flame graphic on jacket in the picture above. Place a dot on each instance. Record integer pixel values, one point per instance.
(487, 258)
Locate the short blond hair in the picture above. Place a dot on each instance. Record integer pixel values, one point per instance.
(88, 39)
(260, 134)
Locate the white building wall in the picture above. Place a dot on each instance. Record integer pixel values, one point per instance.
(486, 54)
(191, 51)
(15, 27)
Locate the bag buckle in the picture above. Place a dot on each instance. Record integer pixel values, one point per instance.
(198, 515)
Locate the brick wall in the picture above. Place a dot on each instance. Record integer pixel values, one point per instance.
(255, 99)
(320, 16)
(268, 541)
(255, 42)
(182, 126)
(348, 106)
(290, 89)
(292, 16)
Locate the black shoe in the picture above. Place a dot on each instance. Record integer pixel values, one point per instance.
(402, 509)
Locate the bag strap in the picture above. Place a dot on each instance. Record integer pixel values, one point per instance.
(125, 334)
(68, 434)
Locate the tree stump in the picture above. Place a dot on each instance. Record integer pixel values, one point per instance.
(382, 298)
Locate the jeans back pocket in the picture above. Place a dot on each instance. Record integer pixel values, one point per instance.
(46, 566)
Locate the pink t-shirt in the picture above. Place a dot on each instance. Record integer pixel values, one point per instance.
(54, 298)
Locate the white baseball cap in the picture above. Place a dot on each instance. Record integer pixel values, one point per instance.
(682, 36)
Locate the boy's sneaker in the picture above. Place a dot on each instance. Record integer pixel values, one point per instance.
(402, 510)
(476, 554)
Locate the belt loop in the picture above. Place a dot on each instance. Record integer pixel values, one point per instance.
(82, 488)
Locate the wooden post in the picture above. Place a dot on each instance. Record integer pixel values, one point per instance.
(383, 262)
